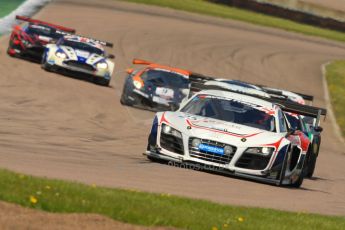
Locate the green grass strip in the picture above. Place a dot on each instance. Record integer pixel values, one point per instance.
(7, 6)
(151, 209)
(336, 85)
(212, 9)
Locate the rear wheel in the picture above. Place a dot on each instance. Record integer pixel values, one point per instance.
(311, 166)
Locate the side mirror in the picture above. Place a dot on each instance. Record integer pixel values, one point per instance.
(111, 56)
(291, 131)
(318, 129)
(129, 71)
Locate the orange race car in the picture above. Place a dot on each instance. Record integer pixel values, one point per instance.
(155, 87)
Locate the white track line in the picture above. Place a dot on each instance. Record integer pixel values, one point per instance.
(329, 104)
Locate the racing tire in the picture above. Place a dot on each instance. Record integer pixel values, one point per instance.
(125, 101)
(312, 161)
(300, 179)
(46, 67)
(311, 166)
(152, 159)
(299, 182)
(102, 81)
(9, 53)
(304, 172)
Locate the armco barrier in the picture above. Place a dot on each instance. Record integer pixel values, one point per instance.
(294, 15)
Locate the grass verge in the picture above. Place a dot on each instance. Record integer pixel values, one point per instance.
(7, 6)
(335, 74)
(150, 209)
(212, 9)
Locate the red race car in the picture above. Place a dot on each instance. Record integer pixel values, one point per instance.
(29, 40)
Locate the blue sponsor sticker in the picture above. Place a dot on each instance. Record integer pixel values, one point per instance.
(211, 149)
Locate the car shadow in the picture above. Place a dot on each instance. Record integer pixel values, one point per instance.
(219, 173)
(79, 76)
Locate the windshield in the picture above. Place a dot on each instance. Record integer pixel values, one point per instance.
(81, 46)
(41, 30)
(165, 78)
(231, 111)
(294, 121)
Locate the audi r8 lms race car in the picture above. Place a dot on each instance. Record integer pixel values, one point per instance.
(80, 56)
(308, 125)
(29, 41)
(155, 87)
(234, 133)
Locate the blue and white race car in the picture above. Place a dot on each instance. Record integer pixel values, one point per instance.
(78, 55)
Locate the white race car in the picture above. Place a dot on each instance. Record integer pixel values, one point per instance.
(232, 133)
(74, 54)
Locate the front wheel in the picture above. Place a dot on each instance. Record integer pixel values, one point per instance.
(299, 181)
(46, 67)
(304, 171)
(102, 81)
(11, 52)
(311, 166)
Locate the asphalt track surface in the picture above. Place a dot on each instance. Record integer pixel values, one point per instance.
(60, 127)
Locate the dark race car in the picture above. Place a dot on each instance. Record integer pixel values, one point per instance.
(155, 87)
(29, 41)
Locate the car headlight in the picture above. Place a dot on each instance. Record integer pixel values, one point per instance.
(166, 129)
(138, 84)
(61, 55)
(265, 151)
(102, 65)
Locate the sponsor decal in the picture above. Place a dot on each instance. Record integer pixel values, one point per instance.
(141, 93)
(82, 53)
(160, 100)
(211, 149)
(165, 93)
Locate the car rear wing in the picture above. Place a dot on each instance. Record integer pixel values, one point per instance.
(279, 92)
(184, 72)
(200, 78)
(285, 104)
(62, 28)
(103, 43)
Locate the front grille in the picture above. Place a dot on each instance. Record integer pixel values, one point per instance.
(253, 161)
(208, 156)
(172, 143)
(79, 65)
